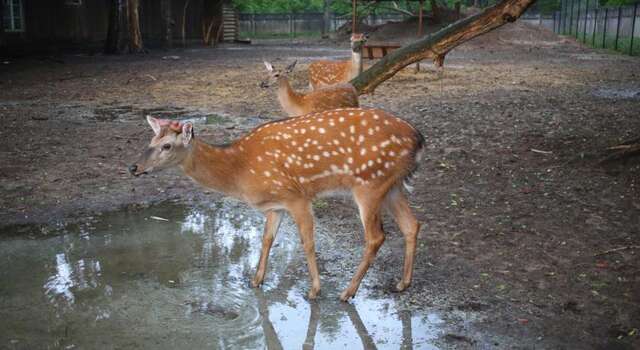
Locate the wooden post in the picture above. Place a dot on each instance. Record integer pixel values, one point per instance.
(253, 24)
(419, 29)
(571, 18)
(578, 22)
(354, 17)
(586, 20)
(604, 31)
(326, 19)
(633, 28)
(595, 25)
(615, 47)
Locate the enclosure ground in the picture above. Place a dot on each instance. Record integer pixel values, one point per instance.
(523, 225)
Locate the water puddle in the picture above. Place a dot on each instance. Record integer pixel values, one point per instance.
(618, 93)
(172, 276)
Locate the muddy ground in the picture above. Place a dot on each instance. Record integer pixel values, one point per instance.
(522, 223)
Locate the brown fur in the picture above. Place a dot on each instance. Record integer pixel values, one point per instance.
(322, 99)
(325, 72)
(283, 165)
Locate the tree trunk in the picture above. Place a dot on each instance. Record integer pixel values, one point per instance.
(184, 23)
(435, 11)
(2, 48)
(326, 19)
(211, 14)
(167, 24)
(134, 26)
(123, 34)
(437, 45)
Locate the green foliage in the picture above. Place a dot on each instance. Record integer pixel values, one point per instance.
(278, 6)
(548, 6)
(339, 7)
(618, 2)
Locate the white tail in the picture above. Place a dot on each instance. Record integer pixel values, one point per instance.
(322, 99)
(325, 72)
(281, 166)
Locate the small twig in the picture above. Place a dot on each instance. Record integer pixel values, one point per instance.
(540, 151)
(152, 77)
(620, 147)
(622, 152)
(618, 249)
(158, 218)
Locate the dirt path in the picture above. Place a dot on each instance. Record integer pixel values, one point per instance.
(515, 205)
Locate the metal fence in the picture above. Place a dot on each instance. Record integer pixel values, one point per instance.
(300, 23)
(616, 28)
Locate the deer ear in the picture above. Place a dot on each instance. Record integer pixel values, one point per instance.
(269, 66)
(290, 67)
(155, 124)
(187, 133)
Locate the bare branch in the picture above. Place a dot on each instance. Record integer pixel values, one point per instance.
(438, 44)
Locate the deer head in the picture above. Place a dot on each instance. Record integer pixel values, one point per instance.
(358, 40)
(168, 148)
(276, 74)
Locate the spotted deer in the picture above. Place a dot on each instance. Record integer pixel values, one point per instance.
(321, 99)
(283, 165)
(326, 72)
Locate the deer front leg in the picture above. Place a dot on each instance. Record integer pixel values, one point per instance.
(274, 217)
(302, 215)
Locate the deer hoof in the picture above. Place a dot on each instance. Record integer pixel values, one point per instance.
(401, 286)
(256, 283)
(313, 293)
(346, 295)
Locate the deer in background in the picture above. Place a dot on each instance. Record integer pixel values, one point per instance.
(326, 72)
(322, 99)
(283, 165)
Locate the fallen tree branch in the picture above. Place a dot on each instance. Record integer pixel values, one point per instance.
(624, 150)
(617, 249)
(438, 44)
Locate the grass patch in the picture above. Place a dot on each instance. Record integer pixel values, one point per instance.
(609, 42)
(262, 35)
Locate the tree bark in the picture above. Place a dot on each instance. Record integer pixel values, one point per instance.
(435, 10)
(123, 34)
(437, 45)
(134, 26)
(2, 29)
(184, 23)
(167, 24)
(211, 14)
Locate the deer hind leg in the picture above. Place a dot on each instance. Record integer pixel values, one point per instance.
(274, 217)
(398, 205)
(303, 217)
(368, 202)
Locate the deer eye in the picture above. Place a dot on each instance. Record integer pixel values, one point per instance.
(276, 75)
(166, 147)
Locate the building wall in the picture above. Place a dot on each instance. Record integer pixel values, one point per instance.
(52, 25)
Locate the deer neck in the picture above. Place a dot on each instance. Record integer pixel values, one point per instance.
(289, 99)
(214, 167)
(356, 63)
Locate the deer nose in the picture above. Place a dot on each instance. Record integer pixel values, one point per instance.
(132, 169)
(264, 85)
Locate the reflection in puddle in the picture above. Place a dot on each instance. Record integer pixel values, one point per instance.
(135, 282)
